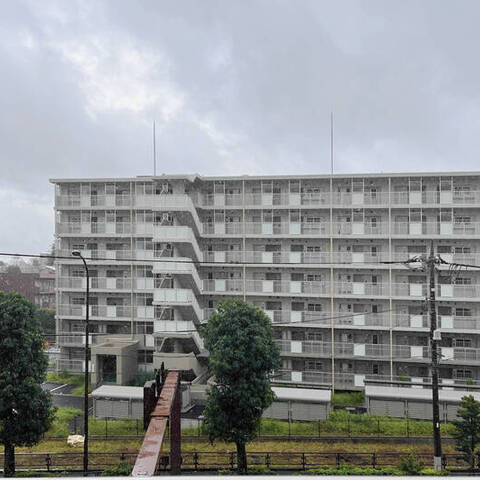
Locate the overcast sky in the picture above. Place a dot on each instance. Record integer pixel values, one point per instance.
(235, 87)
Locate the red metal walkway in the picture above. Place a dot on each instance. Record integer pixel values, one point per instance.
(168, 407)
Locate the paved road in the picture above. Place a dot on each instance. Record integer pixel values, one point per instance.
(61, 395)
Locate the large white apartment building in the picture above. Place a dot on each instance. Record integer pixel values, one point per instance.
(162, 251)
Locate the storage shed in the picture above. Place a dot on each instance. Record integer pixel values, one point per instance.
(416, 403)
(112, 401)
(303, 404)
(115, 401)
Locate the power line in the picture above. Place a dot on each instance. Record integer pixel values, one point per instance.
(188, 261)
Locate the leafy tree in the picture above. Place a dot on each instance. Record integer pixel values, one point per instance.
(46, 318)
(243, 353)
(50, 260)
(467, 428)
(14, 269)
(26, 410)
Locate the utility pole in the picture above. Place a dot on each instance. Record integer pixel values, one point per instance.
(429, 265)
(431, 262)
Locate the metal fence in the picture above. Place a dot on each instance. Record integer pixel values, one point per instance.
(204, 461)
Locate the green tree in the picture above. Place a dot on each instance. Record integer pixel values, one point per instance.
(26, 410)
(242, 356)
(46, 318)
(467, 428)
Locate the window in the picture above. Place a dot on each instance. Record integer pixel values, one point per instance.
(462, 342)
(463, 281)
(375, 369)
(78, 301)
(346, 338)
(462, 373)
(313, 365)
(145, 356)
(314, 307)
(314, 336)
(463, 219)
(463, 312)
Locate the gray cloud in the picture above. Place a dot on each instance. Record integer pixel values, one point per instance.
(235, 87)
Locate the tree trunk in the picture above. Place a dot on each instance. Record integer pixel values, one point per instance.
(9, 460)
(241, 459)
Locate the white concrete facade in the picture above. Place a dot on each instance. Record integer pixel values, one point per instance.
(307, 250)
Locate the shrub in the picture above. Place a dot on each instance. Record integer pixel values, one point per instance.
(409, 465)
(352, 470)
(260, 470)
(122, 469)
(349, 399)
(432, 472)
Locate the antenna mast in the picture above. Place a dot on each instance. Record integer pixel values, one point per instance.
(331, 143)
(154, 152)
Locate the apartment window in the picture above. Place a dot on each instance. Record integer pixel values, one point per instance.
(314, 365)
(314, 249)
(145, 328)
(145, 356)
(375, 339)
(375, 369)
(463, 312)
(314, 278)
(462, 342)
(463, 219)
(78, 272)
(462, 373)
(463, 250)
(463, 281)
(346, 337)
(314, 307)
(298, 306)
(314, 336)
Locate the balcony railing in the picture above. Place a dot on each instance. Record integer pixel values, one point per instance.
(105, 311)
(265, 286)
(237, 256)
(94, 228)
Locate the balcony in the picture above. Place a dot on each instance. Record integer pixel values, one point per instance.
(361, 288)
(78, 201)
(265, 286)
(96, 283)
(287, 257)
(96, 228)
(266, 228)
(435, 228)
(105, 311)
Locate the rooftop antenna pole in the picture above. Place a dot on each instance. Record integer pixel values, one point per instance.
(154, 152)
(331, 143)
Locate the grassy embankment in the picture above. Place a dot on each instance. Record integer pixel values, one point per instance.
(338, 423)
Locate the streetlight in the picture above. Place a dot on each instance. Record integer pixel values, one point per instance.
(85, 397)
